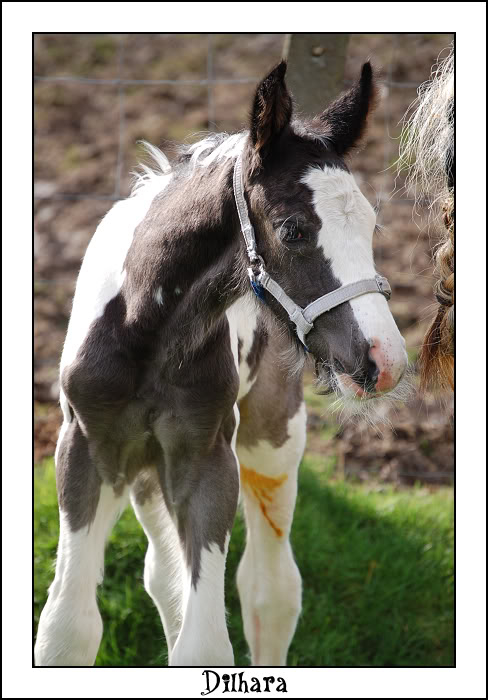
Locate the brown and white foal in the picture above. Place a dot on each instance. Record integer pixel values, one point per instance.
(176, 388)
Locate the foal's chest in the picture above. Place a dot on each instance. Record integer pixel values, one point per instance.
(248, 337)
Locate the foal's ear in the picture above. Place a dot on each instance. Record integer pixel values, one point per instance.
(344, 121)
(271, 113)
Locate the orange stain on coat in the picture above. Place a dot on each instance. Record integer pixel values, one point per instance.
(263, 488)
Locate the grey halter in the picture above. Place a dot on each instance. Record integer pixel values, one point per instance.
(302, 318)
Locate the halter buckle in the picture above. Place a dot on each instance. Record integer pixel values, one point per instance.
(256, 267)
(382, 283)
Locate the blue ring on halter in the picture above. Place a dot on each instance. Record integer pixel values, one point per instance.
(258, 291)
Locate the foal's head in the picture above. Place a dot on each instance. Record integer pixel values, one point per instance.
(314, 230)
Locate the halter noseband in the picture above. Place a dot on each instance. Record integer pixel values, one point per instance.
(302, 318)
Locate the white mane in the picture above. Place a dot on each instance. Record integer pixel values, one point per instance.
(428, 134)
(216, 147)
(213, 147)
(146, 175)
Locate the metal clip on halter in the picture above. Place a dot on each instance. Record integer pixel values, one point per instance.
(255, 272)
(256, 267)
(383, 286)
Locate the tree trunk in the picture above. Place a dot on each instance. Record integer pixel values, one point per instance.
(315, 72)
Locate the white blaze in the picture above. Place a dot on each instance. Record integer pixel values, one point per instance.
(346, 238)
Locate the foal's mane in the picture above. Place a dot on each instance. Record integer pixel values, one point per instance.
(213, 147)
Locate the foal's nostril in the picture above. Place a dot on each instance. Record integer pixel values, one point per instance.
(373, 371)
(339, 366)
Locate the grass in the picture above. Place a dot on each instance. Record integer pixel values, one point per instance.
(377, 570)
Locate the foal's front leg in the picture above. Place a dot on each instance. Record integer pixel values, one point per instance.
(70, 627)
(164, 557)
(268, 579)
(205, 490)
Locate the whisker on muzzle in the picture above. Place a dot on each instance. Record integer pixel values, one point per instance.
(372, 410)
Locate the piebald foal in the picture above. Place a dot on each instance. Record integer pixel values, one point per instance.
(173, 384)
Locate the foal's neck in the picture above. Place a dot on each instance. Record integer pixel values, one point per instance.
(188, 253)
(210, 251)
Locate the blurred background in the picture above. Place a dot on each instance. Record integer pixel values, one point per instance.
(390, 511)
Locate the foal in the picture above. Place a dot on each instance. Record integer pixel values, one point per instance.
(172, 383)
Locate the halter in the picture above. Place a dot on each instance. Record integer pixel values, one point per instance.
(260, 279)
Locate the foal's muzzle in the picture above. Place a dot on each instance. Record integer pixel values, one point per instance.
(367, 371)
(373, 375)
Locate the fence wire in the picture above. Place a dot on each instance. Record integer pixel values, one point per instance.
(211, 81)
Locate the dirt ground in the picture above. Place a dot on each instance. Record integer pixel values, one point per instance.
(77, 135)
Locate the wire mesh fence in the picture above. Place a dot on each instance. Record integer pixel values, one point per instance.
(209, 82)
(392, 83)
(212, 78)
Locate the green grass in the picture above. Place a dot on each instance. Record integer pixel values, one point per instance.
(377, 570)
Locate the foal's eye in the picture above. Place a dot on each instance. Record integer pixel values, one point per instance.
(293, 233)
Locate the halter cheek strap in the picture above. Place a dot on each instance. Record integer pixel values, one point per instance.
(260, 279)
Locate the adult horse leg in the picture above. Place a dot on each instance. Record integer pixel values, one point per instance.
(163, 568)
(70, 627)
(270, 446)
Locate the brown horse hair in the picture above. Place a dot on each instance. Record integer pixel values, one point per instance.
(427, 156)
(437, 353)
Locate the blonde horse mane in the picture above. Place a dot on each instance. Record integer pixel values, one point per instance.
(426, 154)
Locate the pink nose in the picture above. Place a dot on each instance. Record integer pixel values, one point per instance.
(387, 378)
